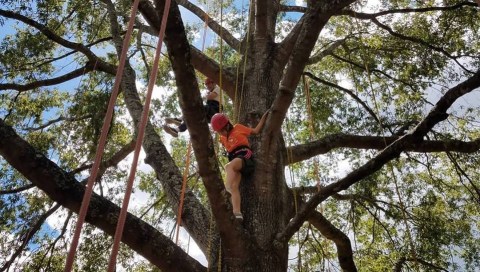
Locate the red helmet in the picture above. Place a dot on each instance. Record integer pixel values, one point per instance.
(219, 121)
(208, 80)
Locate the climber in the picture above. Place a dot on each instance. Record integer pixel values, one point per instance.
(235, 140)
(212, 107)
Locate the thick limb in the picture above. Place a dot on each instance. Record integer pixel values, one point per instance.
(234, 176)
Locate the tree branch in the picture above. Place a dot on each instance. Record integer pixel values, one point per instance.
(326, 52)
(315, 20)
(222, 32)
(26, 239)
(286, 8)
(51, 60)
(99, 63)
(373, 71)
(286, 47)
(373, 18)
(303, 190)
(399, 264)
(377, 219)
(200, 61)
(342, 242)
(48, 33)
(407, 10)
(306, 151)
(48, 82)
(114, 160)
(68, 192)
(261, 12)
(461, 173)
(140, 49)
(17, 190)
(195, 216)
(420, 41)
(59, 119)
(51, 247)
(347, 91)
(212, 70)
(436, 115)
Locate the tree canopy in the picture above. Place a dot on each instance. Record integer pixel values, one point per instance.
(368, 160)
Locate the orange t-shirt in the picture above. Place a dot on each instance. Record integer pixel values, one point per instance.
(238, 136)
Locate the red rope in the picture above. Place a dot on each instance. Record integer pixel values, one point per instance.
(184, 188)
(138, 145)
(101, 143)
(187, 163)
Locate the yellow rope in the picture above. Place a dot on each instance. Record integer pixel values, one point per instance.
(292, 180)
(220, 80)
(404, 217)
(238, 104)
(219, 267)
(220, 84)
(316, 172)
(209, 246)
(306, 87)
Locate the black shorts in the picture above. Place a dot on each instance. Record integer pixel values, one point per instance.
(246, 155)
(211, 108)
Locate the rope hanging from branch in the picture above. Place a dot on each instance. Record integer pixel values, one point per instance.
(238, 99)
(189, 152)
(101, 142)
(184, 188)
(138, 145)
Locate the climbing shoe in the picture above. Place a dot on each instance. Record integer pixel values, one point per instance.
(170, 131)
(238, 216)
(175, 121)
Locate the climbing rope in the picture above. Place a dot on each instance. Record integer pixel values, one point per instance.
(389, 165)
(238, 105)
(138, 145)
(220, 72)
(184, 187)
(188, 156)
(101, 143)
(209, 246)
(292, 181)
(219, 267)
(316, 172)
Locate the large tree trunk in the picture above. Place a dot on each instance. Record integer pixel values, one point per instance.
(267, 203)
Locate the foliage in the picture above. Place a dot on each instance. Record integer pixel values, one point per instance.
(423, 206)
